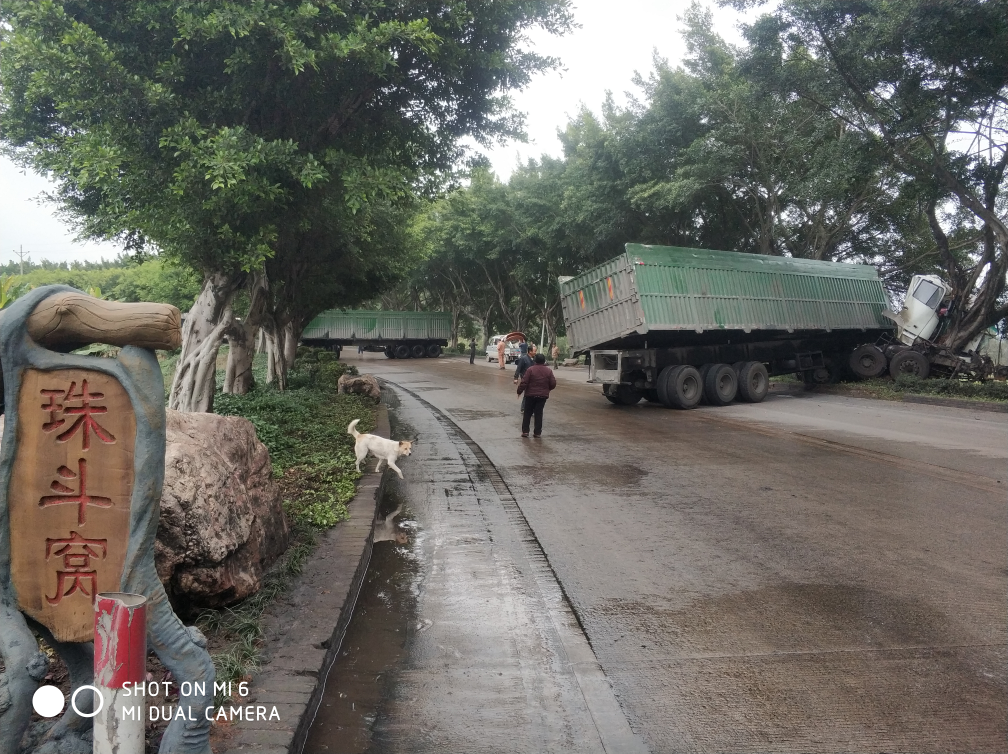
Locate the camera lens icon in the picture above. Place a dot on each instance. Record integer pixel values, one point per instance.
(48, 701)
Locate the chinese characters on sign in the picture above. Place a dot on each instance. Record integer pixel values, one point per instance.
(71, 495)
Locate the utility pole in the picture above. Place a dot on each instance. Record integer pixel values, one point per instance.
(21, 255)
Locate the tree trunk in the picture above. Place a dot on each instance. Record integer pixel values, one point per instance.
(276, 367)
(290, 348)
(238, 378)
(195, 379)
(241, 340)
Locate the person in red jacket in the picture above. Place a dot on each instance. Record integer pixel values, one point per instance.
(536, 383)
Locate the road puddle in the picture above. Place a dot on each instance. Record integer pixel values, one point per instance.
(362, 677)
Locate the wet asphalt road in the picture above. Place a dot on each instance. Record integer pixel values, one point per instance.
(814, 573)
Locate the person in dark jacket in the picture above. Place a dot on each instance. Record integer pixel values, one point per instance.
(524, 362)
(472, 351)
(536, 383)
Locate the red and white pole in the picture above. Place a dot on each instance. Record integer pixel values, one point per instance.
(120, 672)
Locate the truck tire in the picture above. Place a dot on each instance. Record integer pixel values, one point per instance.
(417, 351)
(651, 396)
(720, 385)
(433, 350)
(662, 387)
(753, 382)
(738, 366)
(389, 352)
(684, 387)
(867, 361)
(704, 369)
(402, 351)
(909, 362)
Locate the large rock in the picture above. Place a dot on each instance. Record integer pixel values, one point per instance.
(222, 520)
(360, 384)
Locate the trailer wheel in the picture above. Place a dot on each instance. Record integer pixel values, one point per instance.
(909, 362)
(720, 385)
(417, 351)
(389, 352)
(753, 383)
(704, 369)
(738, 366)
(402, 351)
(868, 361)
(433, 350)
(611, 398)
(684, 387)
(651, 396)
(662, 390)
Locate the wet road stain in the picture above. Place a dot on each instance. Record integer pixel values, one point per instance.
(564, 472)
(475, 414)
(801, 657)
(783, 618)
(362, 676)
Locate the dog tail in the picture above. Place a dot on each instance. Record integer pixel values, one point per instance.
(352, 429)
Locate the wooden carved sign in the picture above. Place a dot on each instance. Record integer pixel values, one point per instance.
(70, 496)
(81, 469)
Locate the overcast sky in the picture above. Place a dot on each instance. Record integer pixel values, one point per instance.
(615, 39)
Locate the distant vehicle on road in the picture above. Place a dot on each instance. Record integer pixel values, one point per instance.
(511, 352)
(676, 325)
(399, 335)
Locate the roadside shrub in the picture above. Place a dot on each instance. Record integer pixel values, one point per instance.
(991, 391)
(319, 369)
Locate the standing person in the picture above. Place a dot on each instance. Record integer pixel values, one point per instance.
(524, 362)
(537, 383)
(501, 345)
(472, 351)
(555, 353)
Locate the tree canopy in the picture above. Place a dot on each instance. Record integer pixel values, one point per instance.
(258, 140)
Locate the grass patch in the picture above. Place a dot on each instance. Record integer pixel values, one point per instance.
(992, 390)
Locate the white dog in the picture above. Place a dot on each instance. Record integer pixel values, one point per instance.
(383, 449)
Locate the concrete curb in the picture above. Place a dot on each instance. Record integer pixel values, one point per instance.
(305, 627)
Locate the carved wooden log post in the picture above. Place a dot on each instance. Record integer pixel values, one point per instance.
(81, 470)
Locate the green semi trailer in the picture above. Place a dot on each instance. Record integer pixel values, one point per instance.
(399, 335)
(677, 325)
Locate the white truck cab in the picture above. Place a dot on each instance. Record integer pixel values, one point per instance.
(919, 316)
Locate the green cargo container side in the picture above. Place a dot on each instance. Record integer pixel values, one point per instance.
(366, 325)
(663, 289)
